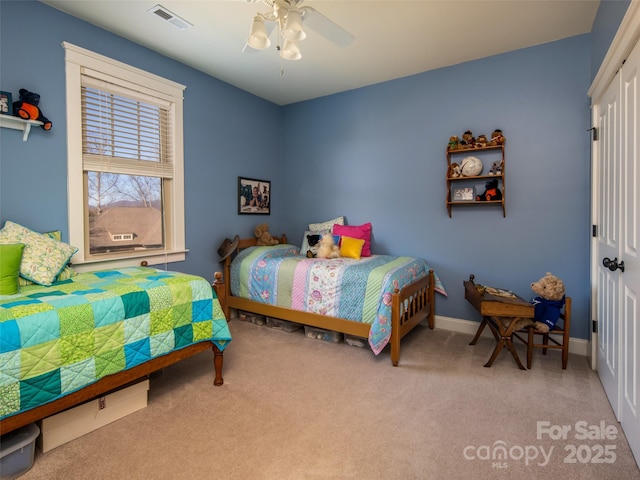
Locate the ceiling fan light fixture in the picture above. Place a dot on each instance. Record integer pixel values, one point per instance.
(258, 37)
(290, 51)
(293, 30)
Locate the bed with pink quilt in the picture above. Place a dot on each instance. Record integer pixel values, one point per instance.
(380, 298)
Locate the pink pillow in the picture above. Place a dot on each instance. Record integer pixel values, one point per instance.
(362, 232)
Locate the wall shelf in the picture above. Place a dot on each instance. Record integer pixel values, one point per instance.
(475, 182)
(17, 123)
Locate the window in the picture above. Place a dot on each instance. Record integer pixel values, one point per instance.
(126, 185)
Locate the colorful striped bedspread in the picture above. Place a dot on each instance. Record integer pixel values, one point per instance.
(55, 340)
(357, 290)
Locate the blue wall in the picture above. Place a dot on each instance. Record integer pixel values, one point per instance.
(378, 154)
(219, 145)
(605, 26)
(373, 154)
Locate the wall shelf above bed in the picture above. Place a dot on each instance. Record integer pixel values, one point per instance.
(17, 123)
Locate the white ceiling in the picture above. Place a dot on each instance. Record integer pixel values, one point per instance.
(394, 38)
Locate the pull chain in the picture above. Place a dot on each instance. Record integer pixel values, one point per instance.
(279, 51)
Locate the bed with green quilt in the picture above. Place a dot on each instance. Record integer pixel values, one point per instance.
(90, 334)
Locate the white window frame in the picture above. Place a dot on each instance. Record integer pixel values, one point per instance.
(76, 60)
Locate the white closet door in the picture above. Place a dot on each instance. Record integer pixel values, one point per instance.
(629, 251)
(607, 176)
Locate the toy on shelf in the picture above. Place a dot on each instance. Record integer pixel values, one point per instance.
(491, 192)
(27, 108)
(454, 143)
(496, 168)
(468, 140)
(497, 138)
(481, 141)
(471, 167)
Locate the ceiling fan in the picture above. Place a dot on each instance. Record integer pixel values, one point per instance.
(289, 16)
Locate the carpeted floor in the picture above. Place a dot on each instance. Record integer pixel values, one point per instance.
(299, 408)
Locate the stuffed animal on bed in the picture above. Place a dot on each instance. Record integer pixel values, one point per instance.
(27, 108)
(328, 249)
(549, 302)
(314, 242)
(261, 232)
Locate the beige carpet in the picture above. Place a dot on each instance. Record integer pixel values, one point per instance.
(298, 408)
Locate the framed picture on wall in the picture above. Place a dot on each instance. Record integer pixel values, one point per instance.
(463, 194)
(254, 196)
(6, 105)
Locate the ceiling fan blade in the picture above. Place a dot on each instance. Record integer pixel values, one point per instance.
(326, 27)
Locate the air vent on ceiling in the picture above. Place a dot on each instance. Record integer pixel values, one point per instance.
(172, 18)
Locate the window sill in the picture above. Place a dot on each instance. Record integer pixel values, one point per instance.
(108, 263)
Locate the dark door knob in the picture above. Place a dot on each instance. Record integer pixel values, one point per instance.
(613, 265)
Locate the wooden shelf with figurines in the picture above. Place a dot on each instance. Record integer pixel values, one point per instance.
(467, 184)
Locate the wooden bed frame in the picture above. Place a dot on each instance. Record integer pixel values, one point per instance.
(110, 383)
(410, 306)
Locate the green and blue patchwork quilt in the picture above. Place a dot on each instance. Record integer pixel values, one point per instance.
(55, 340)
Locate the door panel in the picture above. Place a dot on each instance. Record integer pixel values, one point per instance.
(630, 238)
(607, 246)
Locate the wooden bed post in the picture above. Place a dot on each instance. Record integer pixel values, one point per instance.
(432, 306)
(218, 359)
(395, 328)
(221, 292)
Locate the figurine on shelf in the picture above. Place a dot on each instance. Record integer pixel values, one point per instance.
(481, 141)
(491, 192)
(497, 138)
(496, 168)
(454, 171)
(454, 143)
(468, 140)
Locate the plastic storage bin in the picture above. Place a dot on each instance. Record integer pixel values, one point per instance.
(253, 318)
(355, 341)
(89, 416)
(283, 325)
(17, 451)
(321, 334)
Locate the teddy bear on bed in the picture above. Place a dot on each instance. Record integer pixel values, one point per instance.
(328, 248)
(313, 240)
(27, 108)
(549, 302)
(264, 237)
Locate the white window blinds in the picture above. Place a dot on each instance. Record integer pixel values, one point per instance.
(125, 129)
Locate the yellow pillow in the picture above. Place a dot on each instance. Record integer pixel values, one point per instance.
(351, 247)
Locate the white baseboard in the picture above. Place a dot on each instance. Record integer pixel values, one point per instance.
(576, 345)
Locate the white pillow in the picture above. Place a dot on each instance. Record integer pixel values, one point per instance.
(43, 257)
(328, 225)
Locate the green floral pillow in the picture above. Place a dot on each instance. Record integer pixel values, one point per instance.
(43, 257)
(66, 273)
